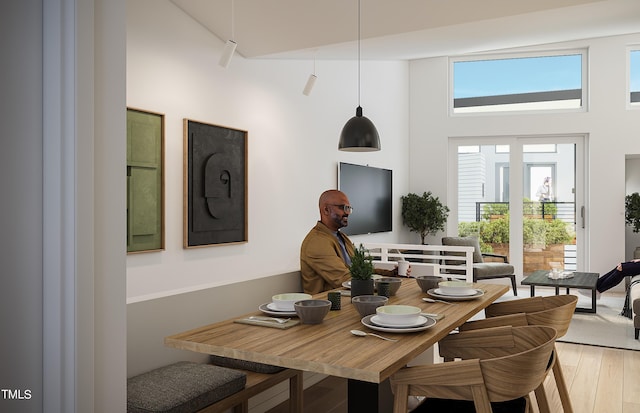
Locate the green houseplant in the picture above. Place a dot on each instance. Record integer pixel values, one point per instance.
(424, 214)
(361, 269)
(632, 211)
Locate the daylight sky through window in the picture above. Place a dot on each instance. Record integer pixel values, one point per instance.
(518, 75)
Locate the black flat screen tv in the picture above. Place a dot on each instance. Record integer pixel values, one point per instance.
(369, 191)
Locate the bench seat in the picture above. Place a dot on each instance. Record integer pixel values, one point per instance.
(182, 387)
(187, 387)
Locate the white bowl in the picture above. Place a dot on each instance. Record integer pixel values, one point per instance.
(398, 314)
(284, 302)
(456, 288)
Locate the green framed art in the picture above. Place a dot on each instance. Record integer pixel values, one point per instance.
(145, 181)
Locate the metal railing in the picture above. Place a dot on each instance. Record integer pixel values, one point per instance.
(564, 211)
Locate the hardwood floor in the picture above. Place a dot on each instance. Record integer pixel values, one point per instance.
(600, 380)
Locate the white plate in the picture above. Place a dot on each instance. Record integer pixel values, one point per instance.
(469, 291)
(478, 293)
(366, 321)
(375, 319)
(267, 309)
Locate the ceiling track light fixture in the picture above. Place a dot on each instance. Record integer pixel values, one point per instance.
(230, 46)
(359, 134)
(311, 81)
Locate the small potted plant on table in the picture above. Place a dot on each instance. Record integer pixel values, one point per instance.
(361, 272)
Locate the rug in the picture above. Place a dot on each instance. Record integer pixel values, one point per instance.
(606, 328)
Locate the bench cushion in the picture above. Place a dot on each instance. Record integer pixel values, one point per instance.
(181, 387)
(244, 365)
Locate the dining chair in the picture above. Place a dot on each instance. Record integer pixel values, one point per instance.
(492, 367)
(482, 269)
(553, 311)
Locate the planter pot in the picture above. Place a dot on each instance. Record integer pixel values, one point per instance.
(361, 287)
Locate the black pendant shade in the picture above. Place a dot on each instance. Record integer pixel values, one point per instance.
(359, 134)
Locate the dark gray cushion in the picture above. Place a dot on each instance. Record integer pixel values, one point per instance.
(244, 365)
(465, 242)
(492, 269)
(182, 387)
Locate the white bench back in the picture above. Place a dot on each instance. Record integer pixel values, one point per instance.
(438, 259)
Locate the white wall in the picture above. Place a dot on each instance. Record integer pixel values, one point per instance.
(612, 132)
(292, 139)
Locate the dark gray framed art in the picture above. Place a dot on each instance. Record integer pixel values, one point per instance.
(215, 185)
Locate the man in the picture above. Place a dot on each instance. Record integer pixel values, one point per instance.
(325, 252)
(545, 191)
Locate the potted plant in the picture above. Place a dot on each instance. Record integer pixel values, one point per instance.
(632, 215)
(361, 269)
(424, 214)
(632, 211)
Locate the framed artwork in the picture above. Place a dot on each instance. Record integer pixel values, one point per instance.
(145, 181)
(215, 185)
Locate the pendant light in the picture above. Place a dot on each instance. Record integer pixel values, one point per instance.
(359, 134)
(230, 46)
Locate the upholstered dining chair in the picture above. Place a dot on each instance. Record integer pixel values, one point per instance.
(553, 311)
(484, 270)
(498, 367)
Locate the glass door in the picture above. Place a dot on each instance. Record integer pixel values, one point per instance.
(549, 206)
(522, 197)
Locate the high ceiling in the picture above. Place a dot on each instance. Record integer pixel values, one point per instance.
(405, 29)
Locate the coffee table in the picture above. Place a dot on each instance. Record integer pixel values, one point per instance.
(582, 280)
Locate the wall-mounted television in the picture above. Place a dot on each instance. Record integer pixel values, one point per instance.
(369, 191)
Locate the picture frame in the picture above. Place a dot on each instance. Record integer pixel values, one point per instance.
(145, 181)
(215, 185)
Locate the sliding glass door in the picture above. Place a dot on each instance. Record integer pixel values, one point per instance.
(522, 197)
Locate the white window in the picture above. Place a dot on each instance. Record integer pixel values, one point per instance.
(634, 77)
(519, 83)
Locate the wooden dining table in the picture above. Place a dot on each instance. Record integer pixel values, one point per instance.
(329, 348)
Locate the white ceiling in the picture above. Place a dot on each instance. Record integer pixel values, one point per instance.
(405, 29)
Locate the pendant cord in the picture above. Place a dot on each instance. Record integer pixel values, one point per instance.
(359, 52)
(233, 18)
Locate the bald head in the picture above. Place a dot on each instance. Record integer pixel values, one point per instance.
(332, 212)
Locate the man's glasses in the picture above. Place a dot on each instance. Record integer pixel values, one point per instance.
(346, 208)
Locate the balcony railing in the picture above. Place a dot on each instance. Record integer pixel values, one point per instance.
(564, 211)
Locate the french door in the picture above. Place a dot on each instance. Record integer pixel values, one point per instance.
(522, 197)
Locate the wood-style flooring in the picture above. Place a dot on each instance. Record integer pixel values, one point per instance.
(601, 380)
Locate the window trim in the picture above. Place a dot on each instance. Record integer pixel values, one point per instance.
(628, 91)
(583, 52)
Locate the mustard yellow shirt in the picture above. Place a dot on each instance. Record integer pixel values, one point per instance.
(322, 263)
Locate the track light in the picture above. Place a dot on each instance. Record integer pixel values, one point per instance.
(311, 81)
(230, 46)
(309, 86)
(227, 53)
